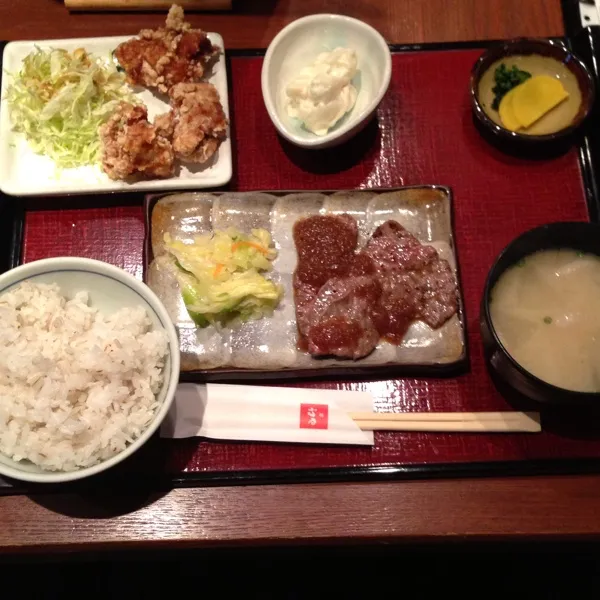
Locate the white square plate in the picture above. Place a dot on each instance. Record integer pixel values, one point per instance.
(25, 173)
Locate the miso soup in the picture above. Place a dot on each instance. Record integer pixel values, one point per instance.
(546, 312)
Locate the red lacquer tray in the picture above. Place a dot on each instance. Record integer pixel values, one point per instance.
(424, 134)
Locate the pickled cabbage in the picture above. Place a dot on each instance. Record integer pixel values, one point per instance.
(221, 275)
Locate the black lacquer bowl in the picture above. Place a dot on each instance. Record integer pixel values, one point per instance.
(505, 370)
(533, 146)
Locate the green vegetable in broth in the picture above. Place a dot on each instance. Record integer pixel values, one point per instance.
(506, 79)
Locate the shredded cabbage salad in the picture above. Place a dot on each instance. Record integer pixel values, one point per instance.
(59, 99)
(221, 275)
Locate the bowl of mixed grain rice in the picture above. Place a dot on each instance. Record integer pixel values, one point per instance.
(89, 365)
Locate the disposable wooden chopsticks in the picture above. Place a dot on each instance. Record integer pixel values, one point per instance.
(449, 421)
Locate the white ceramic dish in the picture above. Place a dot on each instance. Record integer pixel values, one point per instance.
(110, 289)
(297, 46)
(25, 173)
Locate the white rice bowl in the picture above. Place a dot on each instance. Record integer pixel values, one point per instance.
(79, 386)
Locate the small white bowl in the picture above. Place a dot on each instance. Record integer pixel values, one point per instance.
(298, 45)
(110, 289)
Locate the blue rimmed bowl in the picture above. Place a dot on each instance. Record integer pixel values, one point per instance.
(110, 289)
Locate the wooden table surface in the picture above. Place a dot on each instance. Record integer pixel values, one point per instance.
(521, 508)
(254, 23)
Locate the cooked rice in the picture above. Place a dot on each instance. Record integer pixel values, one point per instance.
(76, 386)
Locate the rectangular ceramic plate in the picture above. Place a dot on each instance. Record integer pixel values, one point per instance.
(25, 173)
(269, 346)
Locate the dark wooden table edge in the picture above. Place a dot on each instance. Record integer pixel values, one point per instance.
(117, 482)
(434, 512)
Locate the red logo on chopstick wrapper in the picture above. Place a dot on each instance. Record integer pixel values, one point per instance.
(314, 416)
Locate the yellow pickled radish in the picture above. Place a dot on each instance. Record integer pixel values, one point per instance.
(506, 112)
(533, 98)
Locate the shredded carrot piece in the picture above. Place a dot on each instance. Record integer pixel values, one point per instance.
(258, 247)
(217, 270)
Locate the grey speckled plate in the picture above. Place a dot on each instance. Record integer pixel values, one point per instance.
(267, 348)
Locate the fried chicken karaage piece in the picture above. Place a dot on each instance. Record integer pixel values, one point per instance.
(132, 146)
(197, 122)
(160, 58)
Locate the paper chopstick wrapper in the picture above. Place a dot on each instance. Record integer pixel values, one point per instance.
(270, 414)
